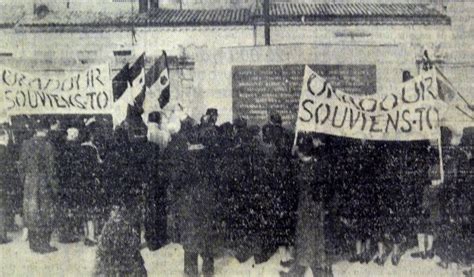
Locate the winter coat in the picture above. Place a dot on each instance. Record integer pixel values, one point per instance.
(456, 196)
(92, 190)
(281, 192)
(40, 183)
(4, 178)
(455, 192)
(155, 198)
(69, 168)
(310, 238)
(175, 175)
(249, 200)
(198, 195)
(130, 169)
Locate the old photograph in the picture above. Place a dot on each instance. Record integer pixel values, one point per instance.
(236, 138)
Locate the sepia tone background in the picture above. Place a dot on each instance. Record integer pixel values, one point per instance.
(207, 41)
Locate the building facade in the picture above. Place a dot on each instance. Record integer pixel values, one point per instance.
(205, 45)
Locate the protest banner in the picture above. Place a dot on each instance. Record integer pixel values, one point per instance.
(87, 92)
(410, 112)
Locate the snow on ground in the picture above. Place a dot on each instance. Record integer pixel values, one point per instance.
(16, 259)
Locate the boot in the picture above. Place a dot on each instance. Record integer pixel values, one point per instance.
(288, 263)
(208, 266)
(418, 255)
(191, 264)
(33, 241)
(322, 271)
(381, 259)
(5, 240)
(45, 247)
(355, 258)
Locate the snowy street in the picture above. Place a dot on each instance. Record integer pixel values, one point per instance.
(16, 259)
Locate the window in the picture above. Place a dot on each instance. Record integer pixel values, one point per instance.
(121, 53)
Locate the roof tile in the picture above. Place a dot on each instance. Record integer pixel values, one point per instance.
(324, 14)
(10, 15)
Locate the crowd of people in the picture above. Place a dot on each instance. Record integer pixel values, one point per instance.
(251, 190)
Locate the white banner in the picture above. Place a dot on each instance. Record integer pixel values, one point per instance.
(411, 112)
(87, 92)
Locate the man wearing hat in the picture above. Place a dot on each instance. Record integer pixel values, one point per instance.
(38, 173)
(213, 115)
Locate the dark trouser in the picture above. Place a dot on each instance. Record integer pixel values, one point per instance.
(39, 239)
(156, 223)
(3, 224)
(191, 264)
(69, 226)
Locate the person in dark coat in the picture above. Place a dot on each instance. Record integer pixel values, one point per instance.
(246, 194)
(354, 170)
(313, 184)
(155, 192)
(91, 187)
(4, 182)
(40, 188)
(70, 202)
(454, 244)
(224, 166)
(415, 203)
(118, 251)
(390, 195)
(281, 219)
(198, 232)
(130, 171)
(13, 186)
(467, 146)
(174, 160)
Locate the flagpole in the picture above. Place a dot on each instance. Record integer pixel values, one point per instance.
(445, 79)
(441, 165)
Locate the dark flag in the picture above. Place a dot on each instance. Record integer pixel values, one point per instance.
(158, 78)
(129, 90)
(120, 82)
(137, 77)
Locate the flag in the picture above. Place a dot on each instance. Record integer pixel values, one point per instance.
(460, 111)
(137, 77)
(158, 85)
(120, 82)
(128, 88)
(120, 85)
